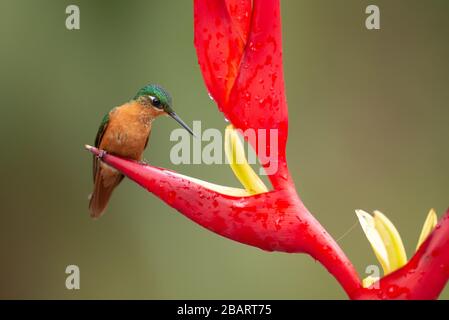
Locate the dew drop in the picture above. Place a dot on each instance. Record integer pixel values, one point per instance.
(171, 196)
(210, 96)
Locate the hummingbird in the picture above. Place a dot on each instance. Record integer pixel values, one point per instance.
(124, 132)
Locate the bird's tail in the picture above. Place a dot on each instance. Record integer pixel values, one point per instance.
(106, 179)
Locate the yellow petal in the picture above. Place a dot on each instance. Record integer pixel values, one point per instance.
(368, 226)
(429, 225)
(369, 281)
(230, 191)
(392, 241)
(235, 154)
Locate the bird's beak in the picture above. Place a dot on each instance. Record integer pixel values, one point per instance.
(182, 123)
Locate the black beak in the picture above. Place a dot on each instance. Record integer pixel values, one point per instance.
(182, 123)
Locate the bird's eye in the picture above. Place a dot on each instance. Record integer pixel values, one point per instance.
(156, 102)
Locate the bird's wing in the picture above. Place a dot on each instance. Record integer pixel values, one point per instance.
(101, 130)
(100, 133)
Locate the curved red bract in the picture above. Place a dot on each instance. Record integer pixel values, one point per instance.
(272, 221)
(239, 49)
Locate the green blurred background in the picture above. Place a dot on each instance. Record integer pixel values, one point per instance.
(368, 129)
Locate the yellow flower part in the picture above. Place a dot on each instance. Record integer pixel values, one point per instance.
(429, 225)
(392, 240)
(386, 241)
(374, 238)
(235, 154)
(369, 281)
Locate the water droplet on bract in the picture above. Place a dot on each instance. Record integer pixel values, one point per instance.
(226, 120)
(392, 289)
(171, 196)
(210, 96)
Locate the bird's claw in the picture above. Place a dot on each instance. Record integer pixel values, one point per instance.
(143, 161)
(101, 154)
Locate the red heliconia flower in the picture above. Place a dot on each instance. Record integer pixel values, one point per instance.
(239, 49)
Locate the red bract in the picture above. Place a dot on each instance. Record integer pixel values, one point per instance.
(423, 277)
(239, 48)
(273, 221)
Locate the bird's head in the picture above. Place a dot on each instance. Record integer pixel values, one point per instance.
(156, 97)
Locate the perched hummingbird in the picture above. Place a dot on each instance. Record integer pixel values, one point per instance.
(124, 132)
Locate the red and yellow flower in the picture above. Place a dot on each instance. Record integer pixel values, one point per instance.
(238, 43)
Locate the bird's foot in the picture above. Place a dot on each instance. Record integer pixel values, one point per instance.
(143, 161)
(101, 154)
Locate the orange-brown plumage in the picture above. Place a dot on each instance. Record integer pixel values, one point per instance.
(125, 132)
